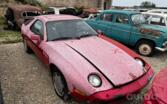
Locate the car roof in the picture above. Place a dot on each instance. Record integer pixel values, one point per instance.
(24, 8)
(121, 12)
(54, 17)
(158, 10)
(157, 14)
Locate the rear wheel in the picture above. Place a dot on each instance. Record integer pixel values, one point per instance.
(60, 85)
(145, 48)
(27, 49)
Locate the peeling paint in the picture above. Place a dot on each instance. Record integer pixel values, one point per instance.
(150, 32)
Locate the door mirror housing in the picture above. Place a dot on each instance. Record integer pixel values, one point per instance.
(99, 32)
(36, 38)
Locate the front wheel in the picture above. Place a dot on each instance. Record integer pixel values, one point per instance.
(145, 48)
(60, 85)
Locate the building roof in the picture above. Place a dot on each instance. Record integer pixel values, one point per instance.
(121, 11)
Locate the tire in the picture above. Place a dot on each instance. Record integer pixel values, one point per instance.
(59, 83)
(27, 49)
(145, 48)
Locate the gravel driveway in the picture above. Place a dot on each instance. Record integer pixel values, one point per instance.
(25, 80)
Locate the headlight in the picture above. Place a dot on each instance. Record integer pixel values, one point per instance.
(141, 62)
(94, 80)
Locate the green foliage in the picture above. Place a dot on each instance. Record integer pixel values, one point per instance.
(33, 2)
(147, 4)
(10, 37)
(2, 20)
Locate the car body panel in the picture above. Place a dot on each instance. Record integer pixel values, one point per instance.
(158, 92)
(155, 16)
(78, 58)
(129, 34)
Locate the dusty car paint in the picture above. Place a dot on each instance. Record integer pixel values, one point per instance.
(78, 58)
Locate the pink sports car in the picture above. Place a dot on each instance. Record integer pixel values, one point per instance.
(84, 64)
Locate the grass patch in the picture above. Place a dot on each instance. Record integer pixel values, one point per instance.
(2, 22)
(10, 37)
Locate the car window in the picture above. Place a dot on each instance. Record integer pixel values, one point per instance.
(37, 28)
(30, 13)
(123, 19)
(50, 11)
(156, 20)
(68, 29)
(35, 13)
(106, 17)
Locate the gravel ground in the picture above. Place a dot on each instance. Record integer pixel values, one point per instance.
(25, 80)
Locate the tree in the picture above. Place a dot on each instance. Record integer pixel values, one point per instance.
(147, 4)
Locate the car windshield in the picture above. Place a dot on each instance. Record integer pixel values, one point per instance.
(68, 29)
(138, 19)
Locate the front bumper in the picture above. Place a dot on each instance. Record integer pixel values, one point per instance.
(161, 49)
(108, 95)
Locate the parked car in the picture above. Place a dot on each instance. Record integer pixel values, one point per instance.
(162, 11)
(54, 10)
(89, 13)
(137, 10)
(16, 15)
(61, 10)
(158, 92)
(84, 65)
(156, 18)
(131, 29)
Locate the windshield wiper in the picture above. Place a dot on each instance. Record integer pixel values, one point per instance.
(86, 35)
(63, 38)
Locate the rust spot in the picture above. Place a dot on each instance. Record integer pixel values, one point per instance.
(150, 32)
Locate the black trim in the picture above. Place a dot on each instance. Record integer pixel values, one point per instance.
(92, 65)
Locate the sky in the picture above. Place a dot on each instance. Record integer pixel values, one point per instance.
(159, 3)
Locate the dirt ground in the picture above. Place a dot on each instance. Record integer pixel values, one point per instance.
(25, 80)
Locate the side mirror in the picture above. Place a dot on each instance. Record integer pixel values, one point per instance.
(36, 38)
(99, 32)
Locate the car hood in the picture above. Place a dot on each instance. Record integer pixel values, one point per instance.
(116, 65)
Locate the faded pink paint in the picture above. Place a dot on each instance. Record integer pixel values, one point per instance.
(117, 65)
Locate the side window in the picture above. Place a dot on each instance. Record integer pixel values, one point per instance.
(122, 19)
(106, 17)
(50, 11)
(33, 13)
(24, 14)
(156, 20)
(37, 28)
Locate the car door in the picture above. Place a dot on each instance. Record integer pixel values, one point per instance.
(37, 28)
(103, 23)
(121, 28)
